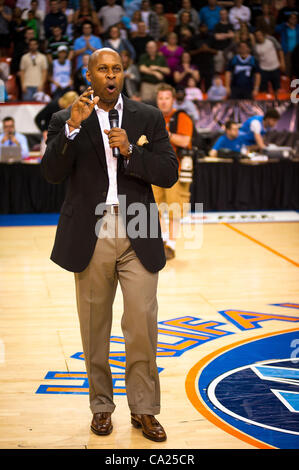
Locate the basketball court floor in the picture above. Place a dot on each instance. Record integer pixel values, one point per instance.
(228, 352)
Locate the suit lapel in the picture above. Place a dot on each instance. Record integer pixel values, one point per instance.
(92, 127)
(128, 121)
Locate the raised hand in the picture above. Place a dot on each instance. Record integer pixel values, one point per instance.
(82, 108)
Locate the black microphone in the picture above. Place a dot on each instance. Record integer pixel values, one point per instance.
(113, 119)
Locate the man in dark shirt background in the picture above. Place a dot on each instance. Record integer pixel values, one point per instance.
(202, 54)
(53, 18)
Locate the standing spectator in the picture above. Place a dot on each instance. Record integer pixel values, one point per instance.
(210, 15)
(131, 74)
(286, 11)
(136, 18)
(289, 38)
(110, 14)
(5, 19)
(38, 15)
(217, 92)
(271, 60)
(21, 46)
(186, 70)
(182, 102)
(17, 26)
(140, 40)
(163, 21)
(223, 35)
(193, 93)
(150, 19)
(185, 20)
(69, 13)
(61, 73)
(131, 6)
(57, 40)
(203, 54)
(185, 36)
(115, 42)
(53, 18)
(33, 71)
(187, 6)
(266, 22)
(172, 52)
(243, 75)
(84, 13)
(11, 137)
(80, 79)
(86, 44)
(239, 14)
(153, 69)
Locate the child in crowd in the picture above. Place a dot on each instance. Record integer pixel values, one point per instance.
(217, 92)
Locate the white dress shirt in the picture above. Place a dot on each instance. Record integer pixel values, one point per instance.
(103, 117)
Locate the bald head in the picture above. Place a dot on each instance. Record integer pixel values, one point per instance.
(97, 55)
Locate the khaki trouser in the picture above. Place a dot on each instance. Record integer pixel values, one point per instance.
(115, 260)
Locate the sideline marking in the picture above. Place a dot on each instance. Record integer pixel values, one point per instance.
(261, 244)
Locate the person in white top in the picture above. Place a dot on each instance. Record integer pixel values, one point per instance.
(239, 14)
(110, 14)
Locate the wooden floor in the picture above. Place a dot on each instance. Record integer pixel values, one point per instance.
(242, 266)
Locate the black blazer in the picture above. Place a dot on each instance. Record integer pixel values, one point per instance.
(83, 162)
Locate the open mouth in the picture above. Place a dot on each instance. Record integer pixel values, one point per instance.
(111, 88)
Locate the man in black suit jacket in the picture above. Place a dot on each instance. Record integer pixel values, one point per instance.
(100, 238)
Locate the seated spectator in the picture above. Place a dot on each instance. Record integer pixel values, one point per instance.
(136, 19)
(86, 44)
(271, 61)
(223, 34)
(57, 40)
(239, 14)
(153, 69)
(163, 21)
(110, 15)
(131, 74)
(194, 18)
(53, 18)
(202, 54)
(150, 19)
(266, 22)
(5, 19)
(254, 128)
(210, 14)
(172, 52)
(229, 141)
(185, 37)
(217, 92)
(289, 38)
(115, 42)
(185, 21)
(140, 40)
(186, 70)
(69, 13)
(181, 102)
(193, 93)
(83, 14)
(9, 136)
(286, 11)
(243, 75)
(80, 80)
(33, 71)
(60, 73)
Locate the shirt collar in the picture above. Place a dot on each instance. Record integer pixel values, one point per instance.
(119, 105)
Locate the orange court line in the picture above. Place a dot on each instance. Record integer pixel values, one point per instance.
(200, 406)
(261, 244)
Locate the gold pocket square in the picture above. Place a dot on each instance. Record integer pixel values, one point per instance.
(142, 140)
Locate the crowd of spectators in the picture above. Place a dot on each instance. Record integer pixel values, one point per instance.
(225, 49)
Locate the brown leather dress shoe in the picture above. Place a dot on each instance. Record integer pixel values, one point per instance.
(151, 428)
(101, 423)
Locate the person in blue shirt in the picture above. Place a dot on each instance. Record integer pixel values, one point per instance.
(210, 15)
(254, 128)
(242, 77)
(86, 44)
(228, 141)
(11, 137)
